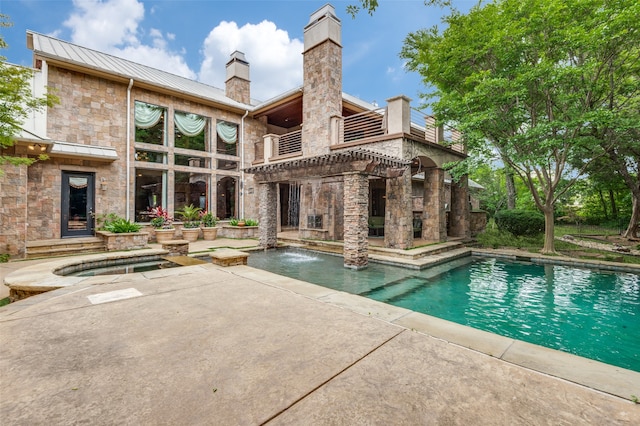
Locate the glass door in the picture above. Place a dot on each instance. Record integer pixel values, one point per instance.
(78, 195)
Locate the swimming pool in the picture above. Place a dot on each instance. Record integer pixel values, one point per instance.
(591, 313)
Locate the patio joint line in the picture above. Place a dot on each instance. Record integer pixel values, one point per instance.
(274, 416)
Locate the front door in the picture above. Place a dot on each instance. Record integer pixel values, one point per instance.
(78, 195)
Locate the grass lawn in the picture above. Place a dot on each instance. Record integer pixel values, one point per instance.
(494, 238)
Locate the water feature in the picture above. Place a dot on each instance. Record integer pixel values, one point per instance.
(586, 312)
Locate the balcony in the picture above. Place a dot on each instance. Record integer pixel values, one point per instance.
(398, 119)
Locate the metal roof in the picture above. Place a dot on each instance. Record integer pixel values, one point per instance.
(53, 48)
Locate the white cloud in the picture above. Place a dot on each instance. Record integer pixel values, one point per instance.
(112, 26)
(275, 59)
(101, 25)
(115, 27)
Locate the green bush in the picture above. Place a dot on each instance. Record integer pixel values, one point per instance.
(4, 257)
(251, 222)
(520, 222)
(121, 226)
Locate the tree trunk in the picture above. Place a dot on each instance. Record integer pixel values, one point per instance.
(634, 223)
(603, 204)
(614, 208)
(549, 228)
(511, 189)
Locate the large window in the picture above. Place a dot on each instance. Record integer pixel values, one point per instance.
(226, 202)
(190, 131)
(190, 188)
(150, 123)
(227, 138)
(149, 192)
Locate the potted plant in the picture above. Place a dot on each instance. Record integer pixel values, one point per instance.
(162, 223)
(190, 222)
(209, 222)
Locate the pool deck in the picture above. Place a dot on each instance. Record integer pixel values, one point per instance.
(204, 344)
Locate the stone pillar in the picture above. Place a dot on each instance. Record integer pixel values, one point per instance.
(356, 229)
(398, 220)
(322, 80)
(434, 220)
(459, 217)
(268, 193)
(399, 115)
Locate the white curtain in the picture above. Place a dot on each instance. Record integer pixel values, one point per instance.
(147, 116)
(228, 132)
(189, 124)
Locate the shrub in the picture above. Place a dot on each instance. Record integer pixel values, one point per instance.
(251, 222)
(4, 257)
(520, 222)
(208, 219)
(122, 226)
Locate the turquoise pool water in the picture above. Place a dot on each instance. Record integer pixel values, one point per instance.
(591, 313)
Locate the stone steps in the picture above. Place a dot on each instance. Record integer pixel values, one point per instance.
(374, 250)
(64, 247)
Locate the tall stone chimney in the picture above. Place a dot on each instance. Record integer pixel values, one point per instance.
(322, 96)
(237, 85)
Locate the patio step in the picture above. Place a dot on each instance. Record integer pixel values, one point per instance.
(337, 247)
(64, 247)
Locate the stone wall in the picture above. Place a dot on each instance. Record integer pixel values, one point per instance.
(478, 222)
(93, 111)
(322, 96)
(322, 197)
(13, 210)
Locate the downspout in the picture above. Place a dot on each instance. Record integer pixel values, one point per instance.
(128, 192)
(242, 163)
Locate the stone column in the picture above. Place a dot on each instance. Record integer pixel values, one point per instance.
(356, 229)
(268, 214)
(459, 216)
(398, 220)
(434, 220)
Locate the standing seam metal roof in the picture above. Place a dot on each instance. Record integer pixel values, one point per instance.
(63, 51)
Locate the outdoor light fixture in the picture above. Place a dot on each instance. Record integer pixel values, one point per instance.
(37, 147)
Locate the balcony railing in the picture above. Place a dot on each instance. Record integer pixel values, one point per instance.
(363, 125)
(289, 143)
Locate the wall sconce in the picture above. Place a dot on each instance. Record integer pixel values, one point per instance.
(37, 147)
(103, 184)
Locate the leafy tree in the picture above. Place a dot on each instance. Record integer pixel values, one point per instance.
(16, 103)
(532, 79)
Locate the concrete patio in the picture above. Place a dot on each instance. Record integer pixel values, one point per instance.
(210, 345)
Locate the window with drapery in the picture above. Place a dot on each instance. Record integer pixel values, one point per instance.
(150, 123)
(227, 140)
(190, 131)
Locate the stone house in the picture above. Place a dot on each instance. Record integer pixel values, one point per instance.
(126, 137)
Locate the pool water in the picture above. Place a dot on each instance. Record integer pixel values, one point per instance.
(591, 313)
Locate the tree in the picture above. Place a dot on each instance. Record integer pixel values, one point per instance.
(16, 103)
(532, 79)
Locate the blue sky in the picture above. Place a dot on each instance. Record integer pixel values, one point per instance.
(194, 38)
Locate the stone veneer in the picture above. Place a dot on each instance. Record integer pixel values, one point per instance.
(398, 229)
(268, 193)
(322, 96)
(13, 210)
(356, 212)
(93, 111)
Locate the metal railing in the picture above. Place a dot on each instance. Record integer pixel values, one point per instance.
(289, 143)
(421, 127)
(363, 125)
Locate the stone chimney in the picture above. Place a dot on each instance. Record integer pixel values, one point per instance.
(237, 85)
(322, 95)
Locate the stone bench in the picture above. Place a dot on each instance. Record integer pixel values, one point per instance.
(229, 257)
(176, 247)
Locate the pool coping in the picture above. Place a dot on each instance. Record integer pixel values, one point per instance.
(593, 374)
